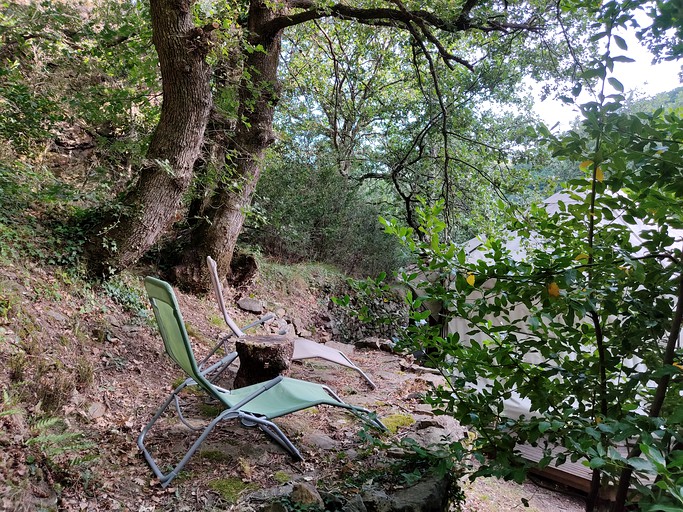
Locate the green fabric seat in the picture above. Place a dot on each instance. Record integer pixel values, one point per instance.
(253, 405)
(290, 395)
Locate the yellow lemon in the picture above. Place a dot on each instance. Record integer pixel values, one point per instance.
(599, 175)
(553, 289)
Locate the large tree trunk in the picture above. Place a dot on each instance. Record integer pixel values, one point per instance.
(258, 93)
(124, 232)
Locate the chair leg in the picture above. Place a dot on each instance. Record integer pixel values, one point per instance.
(355, 367)
(364, 414)
(165, 478)
(146, 429)
(268, 427)
(272, 430)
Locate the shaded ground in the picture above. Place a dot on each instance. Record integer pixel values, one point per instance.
(72, 354)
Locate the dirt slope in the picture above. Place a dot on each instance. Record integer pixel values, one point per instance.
(83, 374)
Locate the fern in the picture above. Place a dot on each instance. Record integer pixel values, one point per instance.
(55, 443)
(7, 401)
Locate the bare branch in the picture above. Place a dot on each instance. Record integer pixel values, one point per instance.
(391, 18)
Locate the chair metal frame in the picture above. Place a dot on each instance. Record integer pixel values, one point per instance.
(177, 344)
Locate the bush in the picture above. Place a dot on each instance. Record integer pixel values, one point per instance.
(310, 212)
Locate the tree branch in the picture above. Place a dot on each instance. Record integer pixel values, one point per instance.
(392, 18)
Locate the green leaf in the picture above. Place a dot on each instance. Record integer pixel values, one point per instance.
(654, 455)
(641, 465)
(596, 463)
(616, 84)
(620, 42)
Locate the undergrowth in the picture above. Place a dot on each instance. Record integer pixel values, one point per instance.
(128, 294)
(39, 452)
(294, 278)
(37, 216)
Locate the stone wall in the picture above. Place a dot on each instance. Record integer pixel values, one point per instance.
(383, 316)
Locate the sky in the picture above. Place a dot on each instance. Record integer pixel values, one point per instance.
(640, 77)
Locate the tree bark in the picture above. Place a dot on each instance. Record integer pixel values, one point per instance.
(262, 358)
(124, 232)
(216, 236)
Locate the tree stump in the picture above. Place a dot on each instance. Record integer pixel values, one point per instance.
(262, 358)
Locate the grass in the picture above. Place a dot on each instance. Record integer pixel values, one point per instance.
(395, 421)
(127, 292)
(209, 410)
(216, 321)
(84, 373)
(282, 477)
(215, 455)
(230, 489)
(290, 279)
(36, 210)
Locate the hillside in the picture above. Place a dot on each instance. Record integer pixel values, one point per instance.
(85, 370)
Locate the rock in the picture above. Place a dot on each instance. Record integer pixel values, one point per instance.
(437, 430)
(113, 320)
(426, 423)
(377, 500)
(280, 312)
(396, 452)
(433, 436)
(275, 506)
(287, 331)
(376, 343)
(351, 454)
(272, 493)
(251, 305)
(429, 495)
(332, 501)
(57, 316)
(320, 440)
(96, 410)
(423, 409)
(342, 347)
(355, 504)
(416, 368)
(434, 380)
(306, 494)
(300, 328)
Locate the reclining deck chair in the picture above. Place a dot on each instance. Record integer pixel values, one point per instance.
(303, 348)
(254, 405)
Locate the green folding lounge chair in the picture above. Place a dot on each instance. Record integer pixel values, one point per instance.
(303, 348)
(253, 405)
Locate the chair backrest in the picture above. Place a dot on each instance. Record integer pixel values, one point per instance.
(172, 329)
(218, 291)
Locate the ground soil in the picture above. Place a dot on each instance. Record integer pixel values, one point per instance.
(54, 329)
